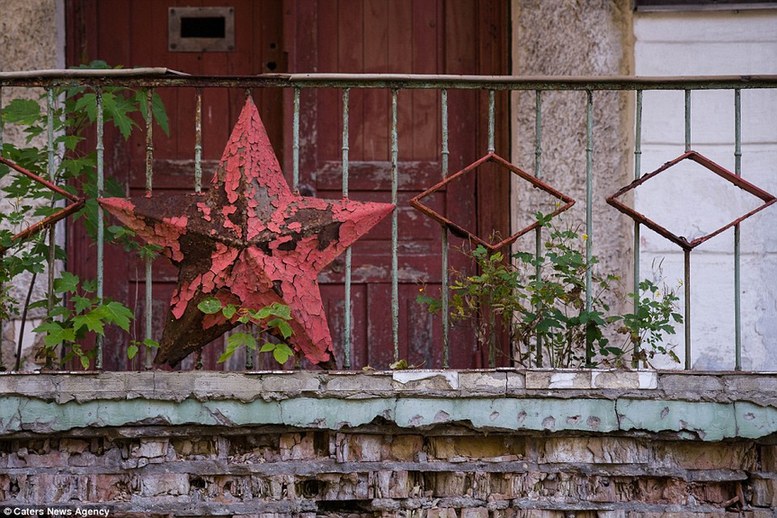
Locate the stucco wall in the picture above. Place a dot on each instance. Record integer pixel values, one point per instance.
(456, 444)
(31, 37)
(714, 43)
(576, 39)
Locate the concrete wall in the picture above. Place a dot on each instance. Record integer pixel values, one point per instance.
(693, 203)
(467, 444)
(575, 39)
(31, 37)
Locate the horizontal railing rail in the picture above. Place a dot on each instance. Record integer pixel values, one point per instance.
(163, 78)
(159, 77)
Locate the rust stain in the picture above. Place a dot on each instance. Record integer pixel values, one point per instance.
(249, 241)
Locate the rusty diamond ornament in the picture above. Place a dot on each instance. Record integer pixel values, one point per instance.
(564, 202)
(682, 241)
(249, 241)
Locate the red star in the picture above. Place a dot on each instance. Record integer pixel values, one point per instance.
(249, 241)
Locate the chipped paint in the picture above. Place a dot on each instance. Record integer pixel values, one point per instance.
(249, 238)
(685, 407)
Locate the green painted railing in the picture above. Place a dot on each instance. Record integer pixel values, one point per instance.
(160, 77)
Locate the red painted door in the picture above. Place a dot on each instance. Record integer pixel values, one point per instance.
(418, 36)
(407, 36)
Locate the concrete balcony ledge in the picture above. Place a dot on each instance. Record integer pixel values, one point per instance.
(706, 406)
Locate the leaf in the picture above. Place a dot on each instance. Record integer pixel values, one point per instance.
(399, 365)
(282, 326)
(132, 351)
(81, 304)
(115, 313)
(267, 347)
(151, 343)
(92, 321)
(55, 333)
(84, 361)
(234, 342)
(210, 306)
(67, 283)
(229, 311)
(282, 353)
(24, 112)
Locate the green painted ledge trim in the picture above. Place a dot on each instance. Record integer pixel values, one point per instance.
(696, 420)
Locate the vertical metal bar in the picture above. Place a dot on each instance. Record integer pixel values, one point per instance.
(2, 130)
(51, 171)
(687, 120)
(100, 151)
(198, 172)
(637, 227)
(249, 356)
(589, 157)
(687, 253)
(52, 234)
(687, 286)
(394, 225)
(444, 236)
(198, 141)
(295, 142)
(538, 174)
(491, 149)
(347, 309)
(149, 298)
(737, 250)
(491, 122)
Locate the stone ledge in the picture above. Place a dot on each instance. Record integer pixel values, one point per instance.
(696, 406)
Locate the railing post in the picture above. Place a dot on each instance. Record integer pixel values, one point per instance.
(687, 252)
(394, 225)
(51, 173)
(538, 231)
(295, 142)
(637, 228)
(198, 141)
(149, 298)
(589, 194)
(347, 302)
(444, 236)
(737, 235)
(100, 151)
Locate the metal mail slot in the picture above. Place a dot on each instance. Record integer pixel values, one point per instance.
(201, 29)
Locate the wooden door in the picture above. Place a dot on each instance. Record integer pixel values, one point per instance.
(134, 33)
(401, 36)
(418, 36)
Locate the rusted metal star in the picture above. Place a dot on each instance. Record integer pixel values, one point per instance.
(250, 241)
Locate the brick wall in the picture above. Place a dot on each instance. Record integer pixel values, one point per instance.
(414, 443)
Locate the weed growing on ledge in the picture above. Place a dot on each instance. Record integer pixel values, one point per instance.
(541, 302)
(272, 319)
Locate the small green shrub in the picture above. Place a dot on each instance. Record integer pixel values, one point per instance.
(541, 302)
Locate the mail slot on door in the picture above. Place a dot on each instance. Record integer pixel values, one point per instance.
(201, 29)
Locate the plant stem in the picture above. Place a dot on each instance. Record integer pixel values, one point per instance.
(22, 325)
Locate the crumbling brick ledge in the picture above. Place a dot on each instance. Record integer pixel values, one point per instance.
(469, 444)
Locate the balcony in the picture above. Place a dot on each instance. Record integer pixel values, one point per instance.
(593, 140)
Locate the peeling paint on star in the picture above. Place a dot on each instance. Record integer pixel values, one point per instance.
(249, 241)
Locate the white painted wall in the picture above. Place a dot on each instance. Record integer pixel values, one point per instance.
(713, 43)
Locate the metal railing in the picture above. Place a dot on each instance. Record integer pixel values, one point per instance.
(397, 83)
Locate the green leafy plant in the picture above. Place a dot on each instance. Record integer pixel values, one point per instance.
(541, 302)
(67, 325)
(270, 320)
(75, 170)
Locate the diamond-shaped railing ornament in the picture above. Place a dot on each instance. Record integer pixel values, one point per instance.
(708, 164)
(76, 204)
(565, 201)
